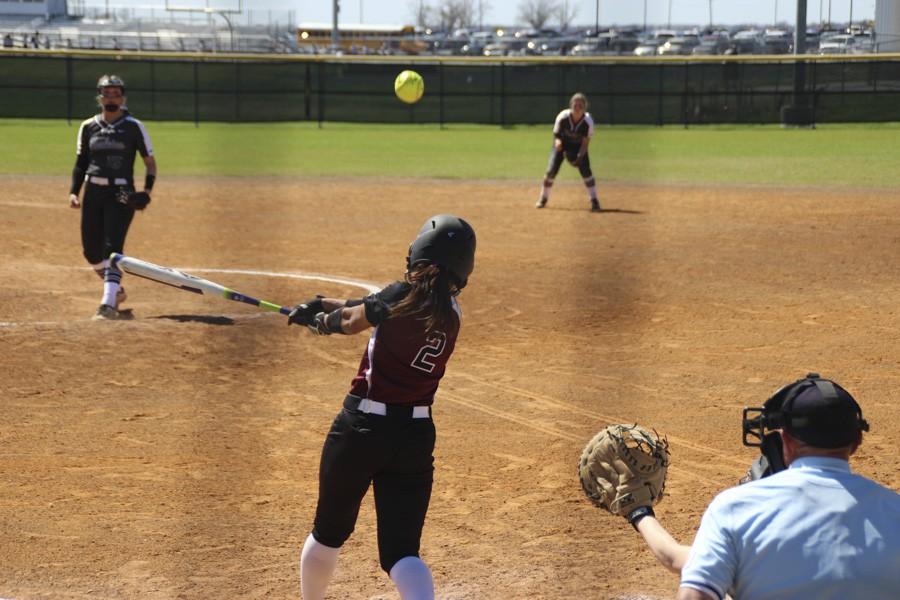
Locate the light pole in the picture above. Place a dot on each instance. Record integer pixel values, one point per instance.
(850, 24)
(645, 16)
(710, 15)
(336, 8)
(597, 19)
(775, 16)
(669, 21)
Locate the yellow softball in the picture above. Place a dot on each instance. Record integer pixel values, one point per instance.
(409, 86)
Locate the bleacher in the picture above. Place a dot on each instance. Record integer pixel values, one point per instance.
(212, 35)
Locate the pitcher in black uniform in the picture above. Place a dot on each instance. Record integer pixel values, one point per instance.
(572, 132)
(384, 435)
(106, 147)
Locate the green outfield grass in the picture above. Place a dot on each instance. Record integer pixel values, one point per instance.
(845, 155)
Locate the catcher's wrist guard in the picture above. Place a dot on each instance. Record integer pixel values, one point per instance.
(639, 513)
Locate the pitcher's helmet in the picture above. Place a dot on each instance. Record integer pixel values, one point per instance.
(106, 81)
(448, 242)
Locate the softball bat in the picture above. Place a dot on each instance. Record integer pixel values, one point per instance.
(188, 282)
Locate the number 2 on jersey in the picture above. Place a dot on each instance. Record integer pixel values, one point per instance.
(437, 341)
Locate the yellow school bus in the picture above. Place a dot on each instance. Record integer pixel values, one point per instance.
(361, 39)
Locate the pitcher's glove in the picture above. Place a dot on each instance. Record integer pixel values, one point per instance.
(623, 470)
(305, 314)
(136, 200)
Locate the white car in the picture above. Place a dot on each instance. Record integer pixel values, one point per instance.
(838, 44)
(646, 48)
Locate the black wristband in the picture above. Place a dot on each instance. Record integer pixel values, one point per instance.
(639, 513)
(149, 180)
(333, 321)
(77, 180)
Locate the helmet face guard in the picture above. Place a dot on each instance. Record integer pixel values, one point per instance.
(760, 425)
(448, 242)
(108, 81)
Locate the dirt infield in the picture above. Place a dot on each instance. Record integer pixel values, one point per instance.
(175, 456)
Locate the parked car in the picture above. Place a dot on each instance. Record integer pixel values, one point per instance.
(711, 45)
(865, 42)
(588, 48)
(447, 47)
(471, 49)
(661, 35)
(838, 44)
(647, 48)
(777, 41)
(748, 41)
(624, 44)
(558, 46)
(497, 49)
(678, 46)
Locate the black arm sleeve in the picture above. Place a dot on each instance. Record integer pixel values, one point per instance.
(81, 165)
(82, 160)
(378, 306)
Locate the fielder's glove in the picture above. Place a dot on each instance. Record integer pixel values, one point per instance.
(305, 314)
(135, 200)
(623, 470)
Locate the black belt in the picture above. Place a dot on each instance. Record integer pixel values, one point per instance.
(373, 407)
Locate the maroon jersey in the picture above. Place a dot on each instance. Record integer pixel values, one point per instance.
(403, 363)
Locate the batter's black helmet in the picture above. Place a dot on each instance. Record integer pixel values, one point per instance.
(448, 242)
(110, 81)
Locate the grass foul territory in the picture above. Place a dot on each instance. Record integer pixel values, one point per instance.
(845, 155)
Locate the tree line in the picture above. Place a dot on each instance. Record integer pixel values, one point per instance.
(447, 15)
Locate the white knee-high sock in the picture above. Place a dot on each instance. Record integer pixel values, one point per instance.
(111, 283)
(591, 186)
(413, 579)
(317, 563)
(545, 188)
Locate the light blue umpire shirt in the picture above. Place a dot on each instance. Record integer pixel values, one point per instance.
(812, 531)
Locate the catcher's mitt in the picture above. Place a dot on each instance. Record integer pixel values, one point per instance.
(623, 468)
(136, 200)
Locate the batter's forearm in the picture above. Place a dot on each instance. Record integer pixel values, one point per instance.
(331, 304)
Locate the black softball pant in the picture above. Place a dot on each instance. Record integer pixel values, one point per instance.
(569, 153)
(104, 222)
(395, 455)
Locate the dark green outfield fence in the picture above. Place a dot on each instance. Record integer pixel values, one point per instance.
(514, 91)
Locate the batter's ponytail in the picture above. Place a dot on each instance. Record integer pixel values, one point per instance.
(430, 299)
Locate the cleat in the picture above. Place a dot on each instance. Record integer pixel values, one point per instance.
(595, 205)
(108, 313)
(541, 203)
(121, 296)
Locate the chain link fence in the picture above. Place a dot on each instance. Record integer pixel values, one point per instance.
(47, 84)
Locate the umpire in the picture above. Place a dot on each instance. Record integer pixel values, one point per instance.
(106, 147)
(812, 530)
